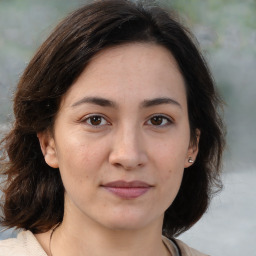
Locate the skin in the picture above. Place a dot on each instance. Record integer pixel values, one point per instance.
(136, 137)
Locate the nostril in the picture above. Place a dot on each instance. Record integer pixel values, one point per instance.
(128, 152)
(128, 164)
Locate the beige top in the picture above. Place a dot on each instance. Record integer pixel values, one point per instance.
(185, 249)
(26, 244)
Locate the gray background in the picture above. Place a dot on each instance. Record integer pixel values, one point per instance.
(226, 31)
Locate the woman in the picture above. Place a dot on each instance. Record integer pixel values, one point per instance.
(117, 144)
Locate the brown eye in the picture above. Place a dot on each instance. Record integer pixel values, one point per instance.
(159, 121)
(96, 120)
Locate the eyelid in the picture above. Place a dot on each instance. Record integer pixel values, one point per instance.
(164, 116)
(86, 117)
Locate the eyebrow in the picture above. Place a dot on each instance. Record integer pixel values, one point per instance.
(96, 101)
(159, 101)
(109, 103)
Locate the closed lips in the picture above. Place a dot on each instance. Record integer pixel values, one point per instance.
(125, 184)
(127, 190)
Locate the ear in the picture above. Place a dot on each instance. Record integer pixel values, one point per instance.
(192, 151)
(48, 148)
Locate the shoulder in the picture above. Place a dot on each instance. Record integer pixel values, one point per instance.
(24, 245)
(184, 248)
(11, 247)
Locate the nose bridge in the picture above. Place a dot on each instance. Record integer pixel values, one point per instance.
(128, 147)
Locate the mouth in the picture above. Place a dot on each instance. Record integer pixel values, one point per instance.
(127, 190)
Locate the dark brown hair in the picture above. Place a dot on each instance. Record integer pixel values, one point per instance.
(33, 191)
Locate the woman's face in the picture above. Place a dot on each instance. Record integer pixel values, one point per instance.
(122, 138)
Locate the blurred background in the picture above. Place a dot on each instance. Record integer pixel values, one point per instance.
(226, 31)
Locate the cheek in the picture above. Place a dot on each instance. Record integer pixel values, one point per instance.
(80, 172)
(170, 178)
(80, 161)
(170, 181)
(170, 156)
(169, 166)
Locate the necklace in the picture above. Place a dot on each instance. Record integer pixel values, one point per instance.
(50, 241)
(58, 224)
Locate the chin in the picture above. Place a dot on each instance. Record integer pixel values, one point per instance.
(125, 225)
(127, 221)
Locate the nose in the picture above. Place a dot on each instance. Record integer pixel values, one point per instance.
(128, 150)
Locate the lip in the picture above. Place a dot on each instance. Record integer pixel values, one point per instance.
(127, 190)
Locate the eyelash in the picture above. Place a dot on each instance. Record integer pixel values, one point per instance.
(89, 118)
(100, 118)
(168, 120)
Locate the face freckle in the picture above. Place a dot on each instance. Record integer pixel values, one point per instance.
(138, 82)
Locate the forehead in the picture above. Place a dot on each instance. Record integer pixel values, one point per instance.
(136, 69)
(133, 55)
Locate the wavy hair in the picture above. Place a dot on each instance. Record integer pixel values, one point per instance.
(33, 193)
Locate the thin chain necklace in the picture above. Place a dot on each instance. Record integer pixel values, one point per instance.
(58, 224)
(50, 241)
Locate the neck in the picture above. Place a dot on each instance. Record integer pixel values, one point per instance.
(90, 239)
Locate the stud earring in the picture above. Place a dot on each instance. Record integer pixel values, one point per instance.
(190, 160)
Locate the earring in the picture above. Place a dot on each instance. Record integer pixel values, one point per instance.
(190, 160)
